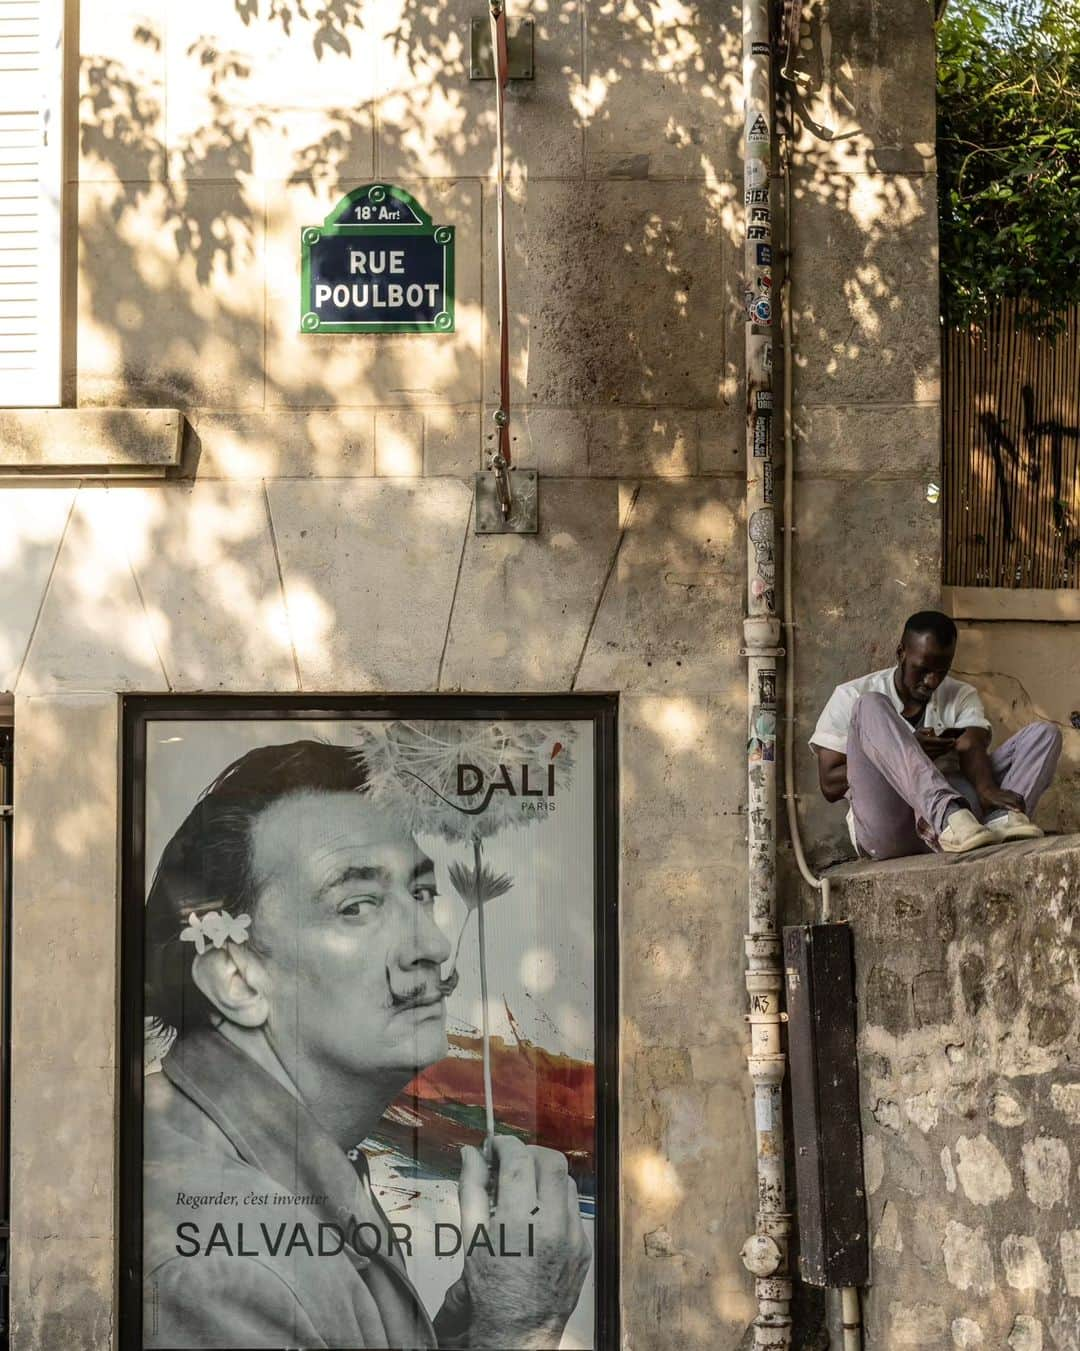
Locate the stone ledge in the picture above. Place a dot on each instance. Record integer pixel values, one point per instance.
(80, 441)
(920, 865)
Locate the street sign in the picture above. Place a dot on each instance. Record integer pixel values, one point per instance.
(377, 264)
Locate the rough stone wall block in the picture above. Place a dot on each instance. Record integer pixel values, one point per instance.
(968, 1049)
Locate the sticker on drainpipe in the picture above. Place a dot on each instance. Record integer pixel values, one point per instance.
(758, 131)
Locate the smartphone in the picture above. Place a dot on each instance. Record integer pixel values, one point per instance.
(951, 733)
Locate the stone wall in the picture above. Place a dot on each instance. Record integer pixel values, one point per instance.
(1026, 673)
(316, 535)
(968, 977)
(864, 301)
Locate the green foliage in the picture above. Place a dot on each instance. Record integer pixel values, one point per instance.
(1008, 76)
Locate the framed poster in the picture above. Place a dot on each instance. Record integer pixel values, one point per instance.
(368, 1015)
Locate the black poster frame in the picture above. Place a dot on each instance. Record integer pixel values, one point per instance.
(138, 710)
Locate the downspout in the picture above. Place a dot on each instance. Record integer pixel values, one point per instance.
(818, 883)
(765, 1253)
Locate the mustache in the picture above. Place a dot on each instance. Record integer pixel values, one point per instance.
(423, 993)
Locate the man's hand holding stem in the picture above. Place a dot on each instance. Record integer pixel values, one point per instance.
(520, 1301)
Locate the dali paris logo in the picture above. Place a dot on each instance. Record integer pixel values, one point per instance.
(534, 784)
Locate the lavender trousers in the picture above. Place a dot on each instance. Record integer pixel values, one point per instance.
(900, 800)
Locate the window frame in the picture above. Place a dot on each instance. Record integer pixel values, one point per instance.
(138, 710)
(43, 91)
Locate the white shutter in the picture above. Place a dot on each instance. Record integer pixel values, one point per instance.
(31, 185)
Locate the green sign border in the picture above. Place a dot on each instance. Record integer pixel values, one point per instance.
(444, 321)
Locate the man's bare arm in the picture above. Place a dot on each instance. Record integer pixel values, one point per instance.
(832, 773)
(972, 748)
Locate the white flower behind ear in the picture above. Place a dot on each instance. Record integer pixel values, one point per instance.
(214, 929)
(236, 928)
(195, 933)
(214, 926)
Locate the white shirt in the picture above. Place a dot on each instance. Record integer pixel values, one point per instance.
(953, 704)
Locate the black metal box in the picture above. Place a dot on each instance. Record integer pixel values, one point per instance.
(819, 967)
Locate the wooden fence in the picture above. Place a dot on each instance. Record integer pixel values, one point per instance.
(1011, 440)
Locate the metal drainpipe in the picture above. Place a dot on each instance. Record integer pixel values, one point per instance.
(765, 1253)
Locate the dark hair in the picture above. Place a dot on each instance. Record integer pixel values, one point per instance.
(207, 865)
(933, 624)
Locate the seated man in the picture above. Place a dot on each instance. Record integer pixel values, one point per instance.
(909, 748)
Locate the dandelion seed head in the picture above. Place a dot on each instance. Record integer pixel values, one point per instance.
(413, 770)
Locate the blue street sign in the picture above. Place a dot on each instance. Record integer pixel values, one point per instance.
(377, 265)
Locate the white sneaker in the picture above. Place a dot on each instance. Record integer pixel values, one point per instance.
(1010, 825)
(963, 831)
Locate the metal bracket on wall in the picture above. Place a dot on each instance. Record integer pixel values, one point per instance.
(524, 518)
(762, 652)
(519, 44)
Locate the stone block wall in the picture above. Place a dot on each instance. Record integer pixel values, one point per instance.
(968, 977)
(864, 303)
(1027, 673)
(208, 140)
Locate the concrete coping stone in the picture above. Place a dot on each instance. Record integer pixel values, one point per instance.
(985, 860)
(98, 441)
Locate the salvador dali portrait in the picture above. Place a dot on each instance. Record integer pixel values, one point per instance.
(369, 1093)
